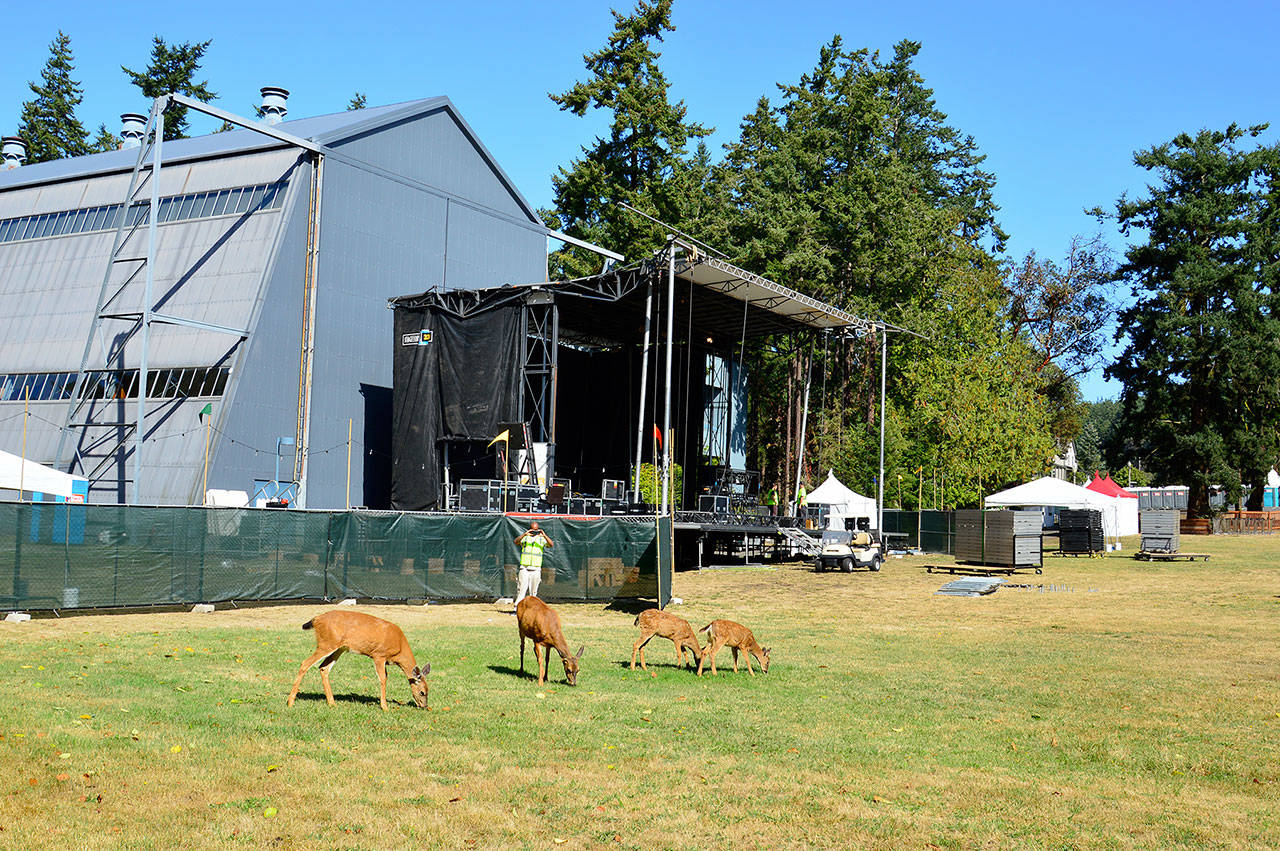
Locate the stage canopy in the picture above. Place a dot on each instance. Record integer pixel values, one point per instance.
(31, 477)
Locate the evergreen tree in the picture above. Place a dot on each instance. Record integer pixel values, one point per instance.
(105, 140)
(1203, 354)
(358, 101)
(173, 70)
(644, 160)
(48, 122)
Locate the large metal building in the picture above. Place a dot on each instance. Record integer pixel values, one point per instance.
(268, 269)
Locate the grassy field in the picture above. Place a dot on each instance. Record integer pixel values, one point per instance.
(1137, 707)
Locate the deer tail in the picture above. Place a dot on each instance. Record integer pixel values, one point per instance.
(308, 624)
(706, 629)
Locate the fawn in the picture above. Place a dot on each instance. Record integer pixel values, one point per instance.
(738, 637)
(657, 622)
(540, 623)
(382, 641)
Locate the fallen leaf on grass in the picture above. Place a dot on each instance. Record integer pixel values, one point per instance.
(541, 696)
(64, 756)
(64, 776)
(560, 841)
(792, 750)
(271, 768)
(876, 799)
(455, 800)
(269, 812)
(86, 717)
(134, 734)
(175, 749)
(34, 781)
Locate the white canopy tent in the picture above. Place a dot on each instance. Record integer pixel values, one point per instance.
(1048, 492)
(843, 501)
(28, 476)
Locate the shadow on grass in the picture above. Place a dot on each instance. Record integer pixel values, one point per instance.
(669, 666)
(350, 697)
(629, 606)
(515, 672)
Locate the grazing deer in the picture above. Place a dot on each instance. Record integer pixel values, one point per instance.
(382, 641)
(738, 637)
(539, 623)
(657, 622)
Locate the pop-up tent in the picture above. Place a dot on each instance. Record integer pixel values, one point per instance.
(1048, 492)
(1127, 505)
(843, 502)
(30, 477)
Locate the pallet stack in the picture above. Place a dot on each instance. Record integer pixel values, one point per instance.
(1159, 531)
(1080, 531)
(1000, 538)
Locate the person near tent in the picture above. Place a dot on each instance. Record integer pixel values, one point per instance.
(531, 543)
(802, 501)
(771, 500)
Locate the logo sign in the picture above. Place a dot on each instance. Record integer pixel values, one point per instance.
(418, 338)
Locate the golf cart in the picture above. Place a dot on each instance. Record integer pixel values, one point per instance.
(852, 546)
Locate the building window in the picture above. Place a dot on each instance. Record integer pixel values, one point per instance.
(166, 383)
(177, 208)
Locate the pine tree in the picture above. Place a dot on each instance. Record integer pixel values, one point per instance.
(358, 101)
(48, 123)
(1199, 371)
(644, 160)
(172, 70)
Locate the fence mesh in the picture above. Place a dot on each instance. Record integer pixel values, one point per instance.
(55, 556)
(930, 531)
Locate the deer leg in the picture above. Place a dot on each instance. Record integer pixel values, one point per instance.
(302, 671)
(324, 674)
(380, 665)
(638, 647)
(541, 656)
(522, 654)
(735, 659)
(746, 654)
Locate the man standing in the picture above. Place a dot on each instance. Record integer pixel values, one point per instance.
(771, 500)
(531, 544)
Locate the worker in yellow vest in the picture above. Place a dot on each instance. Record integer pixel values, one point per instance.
(531, 543)
(802, 504)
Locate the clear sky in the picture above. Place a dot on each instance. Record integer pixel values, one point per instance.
(1058, 95)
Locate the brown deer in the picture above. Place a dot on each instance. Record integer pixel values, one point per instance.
(657, 622)
(539, 623)
(382, 641)
(738, 637)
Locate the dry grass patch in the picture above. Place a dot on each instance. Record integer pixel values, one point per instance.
(1138, 710)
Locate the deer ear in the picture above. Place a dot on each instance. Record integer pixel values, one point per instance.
(578, 655)
(764, 650)
(426, 669)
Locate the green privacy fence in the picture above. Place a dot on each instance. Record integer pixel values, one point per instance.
(931, 531)
(56, 556)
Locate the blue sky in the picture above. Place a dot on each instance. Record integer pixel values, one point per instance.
(1057, 95)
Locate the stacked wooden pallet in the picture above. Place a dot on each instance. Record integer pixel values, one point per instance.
(1006, 538)
(1080, 531)
(1159, 531)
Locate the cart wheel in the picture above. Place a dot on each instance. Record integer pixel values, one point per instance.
(1039, 571)
(875, 566)
(819, 566)
(847, 564)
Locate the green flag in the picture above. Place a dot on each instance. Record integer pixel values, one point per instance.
(206, 411)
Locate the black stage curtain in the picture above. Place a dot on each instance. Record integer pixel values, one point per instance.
(453, 378)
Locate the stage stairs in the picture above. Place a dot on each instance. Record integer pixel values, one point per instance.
(801, 541)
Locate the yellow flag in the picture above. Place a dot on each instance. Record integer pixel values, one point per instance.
(504, 437)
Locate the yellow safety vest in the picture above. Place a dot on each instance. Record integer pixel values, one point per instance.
(531, 552)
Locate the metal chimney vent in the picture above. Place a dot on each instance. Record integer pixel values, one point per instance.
(273, 104)
(132, 126)
(14, 151)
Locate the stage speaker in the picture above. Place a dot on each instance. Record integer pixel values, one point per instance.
(555, 494)
(715, 504)
(516, 435)
(614, 489)
(474, 496)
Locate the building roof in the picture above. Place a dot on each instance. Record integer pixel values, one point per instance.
(322, 129)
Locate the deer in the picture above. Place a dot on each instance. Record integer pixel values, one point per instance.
(738, 637)
(657, 622)
(541, 624)
(380, 640)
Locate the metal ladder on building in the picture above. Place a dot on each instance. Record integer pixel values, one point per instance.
(801, 540)
(107, 410)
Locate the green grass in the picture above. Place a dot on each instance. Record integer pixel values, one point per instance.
(1145, 713)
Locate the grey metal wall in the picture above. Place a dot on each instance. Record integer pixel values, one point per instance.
(379, 239)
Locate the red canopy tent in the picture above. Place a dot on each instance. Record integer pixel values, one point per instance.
(1108, 486)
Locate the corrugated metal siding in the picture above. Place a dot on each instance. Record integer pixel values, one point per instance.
(261, 402)
(433, 148)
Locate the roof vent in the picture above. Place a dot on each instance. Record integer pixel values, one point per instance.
(14, 151)
(132, 126)
(273, 104)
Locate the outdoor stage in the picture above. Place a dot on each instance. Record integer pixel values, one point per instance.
(586, 383)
